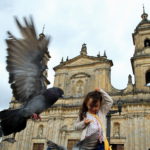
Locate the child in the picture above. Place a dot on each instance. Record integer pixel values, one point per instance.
(96, 103)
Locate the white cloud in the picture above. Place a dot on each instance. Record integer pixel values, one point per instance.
(102, 24)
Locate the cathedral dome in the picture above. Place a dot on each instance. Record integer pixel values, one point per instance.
(144, 23)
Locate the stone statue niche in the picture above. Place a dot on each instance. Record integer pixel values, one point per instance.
(40, 131)
(116, 129)
(79, 88)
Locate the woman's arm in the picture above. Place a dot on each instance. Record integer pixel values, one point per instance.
(107, 102)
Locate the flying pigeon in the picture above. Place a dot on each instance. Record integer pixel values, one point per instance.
(25, 65)
(54, 146)
(89, 143)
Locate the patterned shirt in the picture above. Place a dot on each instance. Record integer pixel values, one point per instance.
(94, 127)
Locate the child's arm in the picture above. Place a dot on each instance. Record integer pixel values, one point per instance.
(81, 124)
(107, 102)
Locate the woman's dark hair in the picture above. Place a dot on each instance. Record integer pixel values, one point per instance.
(96, 96)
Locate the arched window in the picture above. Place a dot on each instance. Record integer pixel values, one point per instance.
(147, 77)
(147, 43)
(116, 129)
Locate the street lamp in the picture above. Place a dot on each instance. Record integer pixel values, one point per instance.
(109, 114)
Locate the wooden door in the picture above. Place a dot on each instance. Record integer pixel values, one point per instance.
(38, 146)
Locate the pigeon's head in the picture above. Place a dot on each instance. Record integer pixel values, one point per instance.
(53, 94)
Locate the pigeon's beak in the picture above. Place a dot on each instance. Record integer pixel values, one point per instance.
(62, 96)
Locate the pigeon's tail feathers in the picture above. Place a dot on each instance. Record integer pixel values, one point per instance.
(1, 133)
(7, 112)
(11, 121)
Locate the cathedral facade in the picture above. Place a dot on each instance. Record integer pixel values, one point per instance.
(84, 73)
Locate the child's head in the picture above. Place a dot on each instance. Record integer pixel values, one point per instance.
(91, 103)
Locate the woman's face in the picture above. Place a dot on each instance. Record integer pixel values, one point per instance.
(93, 108)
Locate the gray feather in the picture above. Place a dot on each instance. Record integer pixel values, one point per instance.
(89, 143)
(10, 140)
(54, 146)
(35, 105)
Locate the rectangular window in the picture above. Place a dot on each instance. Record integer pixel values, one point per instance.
(38, 146)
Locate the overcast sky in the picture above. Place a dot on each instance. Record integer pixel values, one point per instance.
(101, 24)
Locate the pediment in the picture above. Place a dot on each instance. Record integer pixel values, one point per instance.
(80, 61)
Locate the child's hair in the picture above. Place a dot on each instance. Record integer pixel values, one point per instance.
(96, 96)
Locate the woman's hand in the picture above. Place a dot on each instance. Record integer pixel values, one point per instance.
(87, 121)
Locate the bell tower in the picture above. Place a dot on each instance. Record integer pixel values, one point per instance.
(141, 58)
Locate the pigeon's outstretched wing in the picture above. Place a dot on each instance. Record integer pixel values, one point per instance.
(54, 146)
(25, 62)
(89, 143)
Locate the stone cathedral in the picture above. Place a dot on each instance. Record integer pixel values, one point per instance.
(83, 73)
